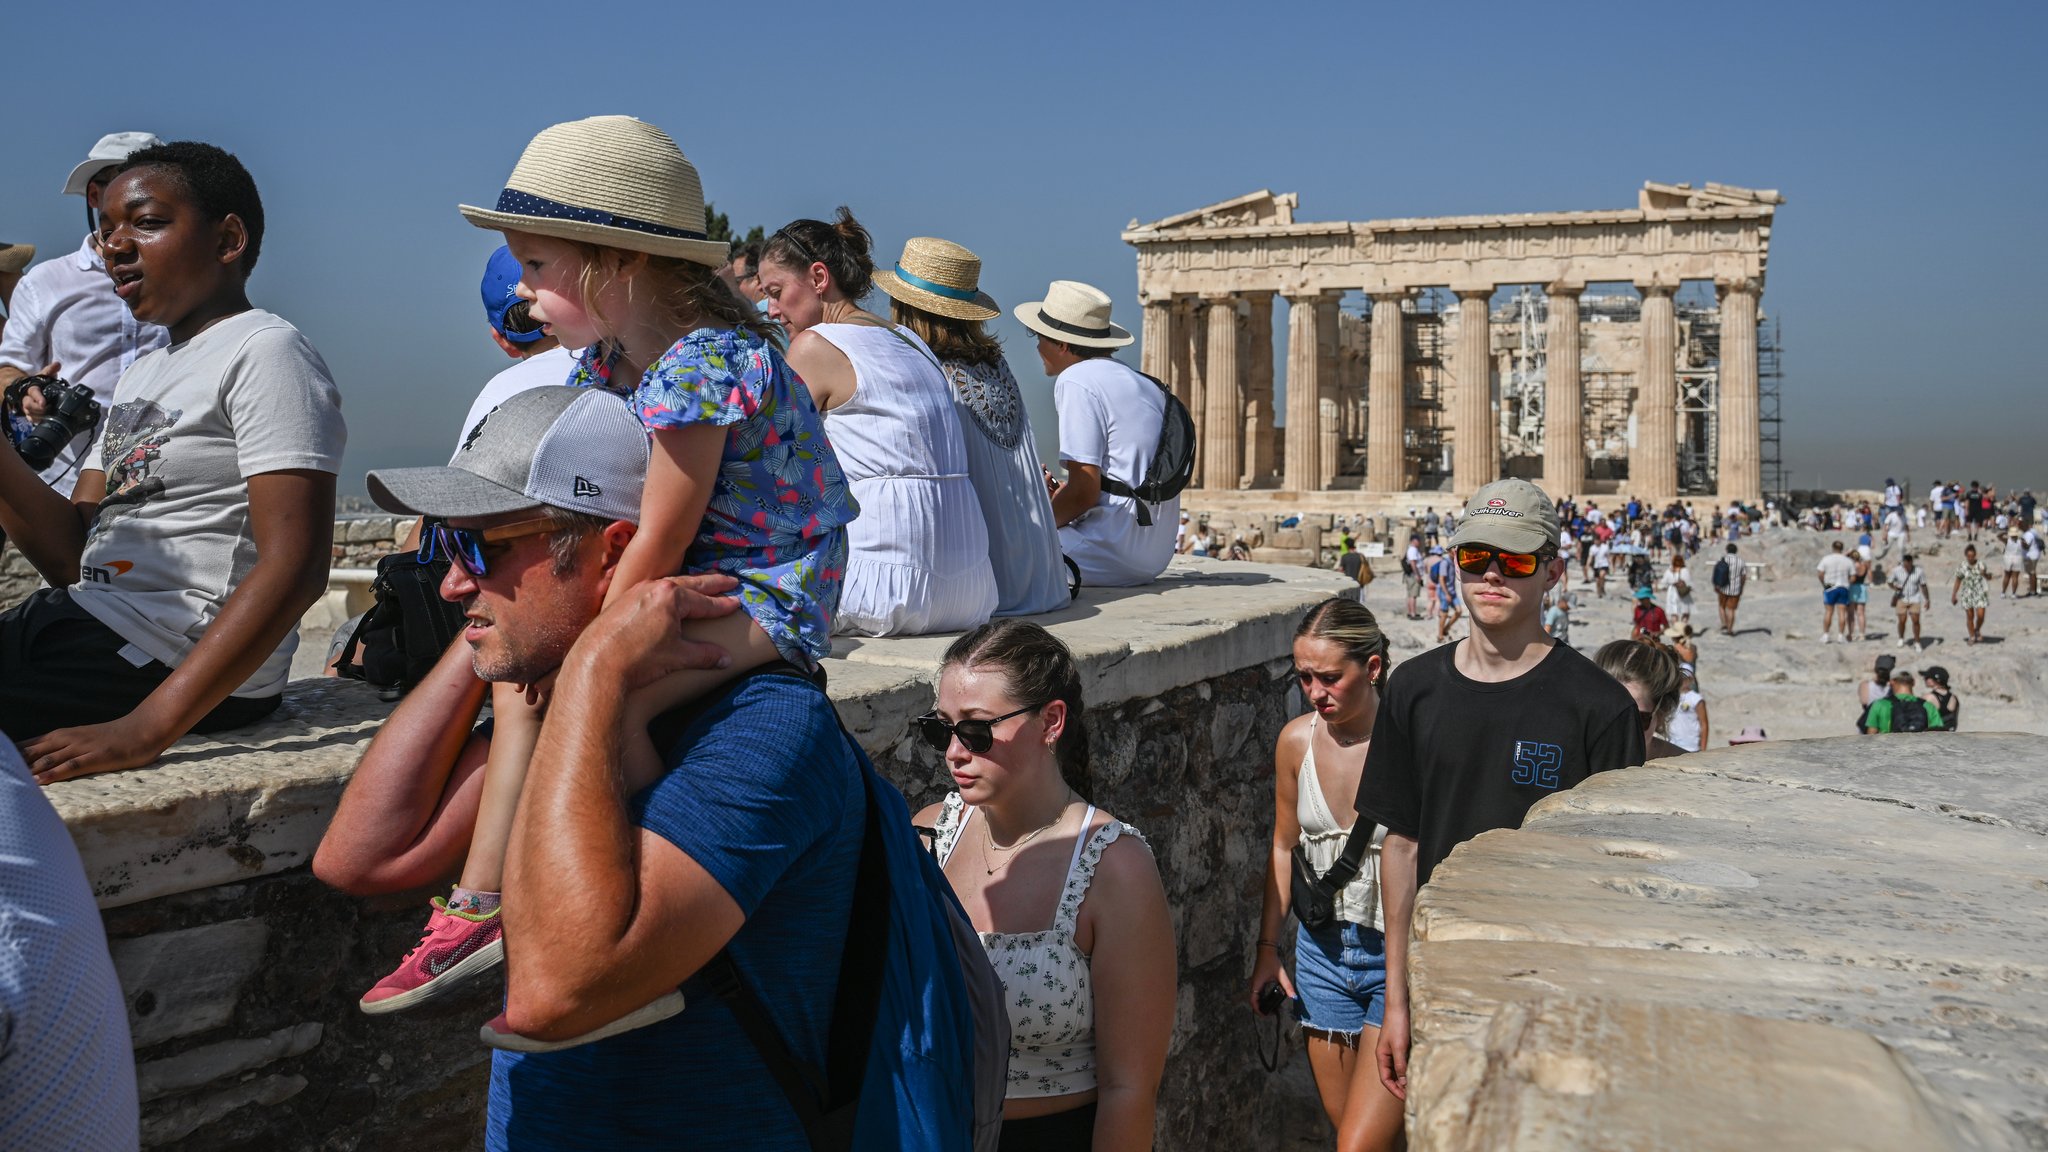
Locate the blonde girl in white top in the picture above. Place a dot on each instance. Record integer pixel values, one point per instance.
(1066, 897)
(1339, 982)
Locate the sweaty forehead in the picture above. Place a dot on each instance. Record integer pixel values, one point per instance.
(137, 188)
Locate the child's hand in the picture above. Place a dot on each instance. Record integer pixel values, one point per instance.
(639, 639)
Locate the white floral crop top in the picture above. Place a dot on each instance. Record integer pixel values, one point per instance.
(1045, 974)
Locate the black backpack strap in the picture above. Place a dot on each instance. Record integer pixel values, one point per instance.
(825, 1101)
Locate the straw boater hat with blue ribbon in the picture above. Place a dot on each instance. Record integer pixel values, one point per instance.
(1073, 313)
(608, 180)
(940, 277)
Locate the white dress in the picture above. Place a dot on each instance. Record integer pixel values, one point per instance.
(917, 555)
(1009, 481)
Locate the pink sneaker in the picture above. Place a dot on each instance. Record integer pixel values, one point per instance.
(455, 946)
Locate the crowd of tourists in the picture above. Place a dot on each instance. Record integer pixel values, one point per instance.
(702, 464)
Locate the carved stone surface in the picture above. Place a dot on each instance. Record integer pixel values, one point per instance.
(1624, 970)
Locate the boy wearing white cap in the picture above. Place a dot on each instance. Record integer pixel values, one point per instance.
(1110, 419)
(65, 318)
(1470, 735)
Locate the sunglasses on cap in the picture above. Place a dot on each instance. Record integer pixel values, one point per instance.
(977, 736)
(1475, 559)
(464, 547)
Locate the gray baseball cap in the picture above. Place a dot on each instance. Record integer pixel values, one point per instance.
(579, 449)
(1511, 514)
(112, 149)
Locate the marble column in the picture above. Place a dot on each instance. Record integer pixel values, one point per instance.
(1259, 448)
(1476, 461)
(1223, 434)
(1653, 466)
(1155, 357)
(1191, 353)
(1326, 387)
(1564, 395)
(1741, 447)
(1386, 453)
(1304, 457)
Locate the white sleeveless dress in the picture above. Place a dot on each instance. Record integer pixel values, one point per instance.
(1322, 841)
(917, 555)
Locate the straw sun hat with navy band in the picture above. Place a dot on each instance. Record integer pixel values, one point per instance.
(940, 277)
(1073, 313)
(609, 180)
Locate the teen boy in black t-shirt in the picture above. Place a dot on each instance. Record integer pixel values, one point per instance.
(1470, 735)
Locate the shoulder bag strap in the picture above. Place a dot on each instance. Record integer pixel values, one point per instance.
(1348, 864)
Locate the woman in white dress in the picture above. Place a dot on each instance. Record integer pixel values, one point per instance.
(934, 291)
(1677, 585)
(917, 555)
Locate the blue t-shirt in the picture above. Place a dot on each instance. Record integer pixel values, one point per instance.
(763, 792)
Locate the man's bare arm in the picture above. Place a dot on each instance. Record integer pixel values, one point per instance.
(1082, 489)
(405, 820)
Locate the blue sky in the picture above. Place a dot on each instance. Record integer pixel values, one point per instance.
(1908, 140)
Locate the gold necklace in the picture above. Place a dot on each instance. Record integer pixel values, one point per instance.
(988, 838)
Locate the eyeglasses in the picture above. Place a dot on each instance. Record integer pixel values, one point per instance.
(977, 736)
(464, 547)
(1477, 558)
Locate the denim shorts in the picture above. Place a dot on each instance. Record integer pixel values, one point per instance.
(1859, 593)
(1340, 973)
(1834, 596)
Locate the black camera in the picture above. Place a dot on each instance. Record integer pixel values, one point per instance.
(69, 411)
(1271, 997)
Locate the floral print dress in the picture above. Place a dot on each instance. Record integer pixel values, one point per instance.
(780, 505)
(1976, 587)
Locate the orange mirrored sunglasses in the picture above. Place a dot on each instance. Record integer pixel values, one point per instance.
(1477, 558)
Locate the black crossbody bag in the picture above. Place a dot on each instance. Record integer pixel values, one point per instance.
(1315, 897)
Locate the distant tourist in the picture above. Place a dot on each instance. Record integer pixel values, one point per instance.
(918, 555)
(934, 291)
(1557, 619)
(1446, 598)
(1909, 596)
(204, 513)
(1729, 578)
(1655, 682)
(1972, 590)
(1943, 697)
(1411, 576)
(1091, 996)
(1202, 541)
(65, 319)
(1600, 557)
(1340, 974)
(1677, 584)
(2015, 563)
(67, 1070)
(1649, 621)
(1110, 417)
(1688, 726)
(1875, 685)
(541, 359)
(1836, 572)
(1468, 736)
(1898, 710)
(1861, 572)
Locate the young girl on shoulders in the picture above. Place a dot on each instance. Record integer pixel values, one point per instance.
(741, 480)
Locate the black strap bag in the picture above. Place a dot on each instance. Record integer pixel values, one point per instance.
(1173, 461)
(1315, 897)
(399, 639)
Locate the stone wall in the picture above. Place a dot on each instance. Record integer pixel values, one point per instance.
(1813, 944)
(242, 970)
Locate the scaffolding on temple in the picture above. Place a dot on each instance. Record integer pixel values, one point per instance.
(1522, 382)
(1699, 388)
(1769, 416)
(1422, 334)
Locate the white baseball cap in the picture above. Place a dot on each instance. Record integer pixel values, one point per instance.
(112, 149)
(579, 449)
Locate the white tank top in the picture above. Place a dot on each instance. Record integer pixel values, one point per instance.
(1322, 841)
(1046, 978)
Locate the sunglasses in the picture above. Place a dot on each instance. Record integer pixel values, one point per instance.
(464, 547)
(1477, 558)
(977, 736)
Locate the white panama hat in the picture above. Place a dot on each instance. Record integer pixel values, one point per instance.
(112, 149)
(608, 180)
(1073, 313)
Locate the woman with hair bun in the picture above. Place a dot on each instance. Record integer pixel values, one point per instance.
(1340, 974)
(918, 557)
(1091, 997)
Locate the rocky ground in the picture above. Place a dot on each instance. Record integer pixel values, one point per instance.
(1775, 672)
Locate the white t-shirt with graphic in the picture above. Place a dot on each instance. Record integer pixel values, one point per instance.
(189, 425)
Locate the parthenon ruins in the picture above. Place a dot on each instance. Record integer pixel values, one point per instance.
(1619, 350)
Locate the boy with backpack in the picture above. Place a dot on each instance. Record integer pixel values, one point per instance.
(1900, 711)
(1126, 442)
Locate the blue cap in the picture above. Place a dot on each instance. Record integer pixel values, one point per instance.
(501, 283)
